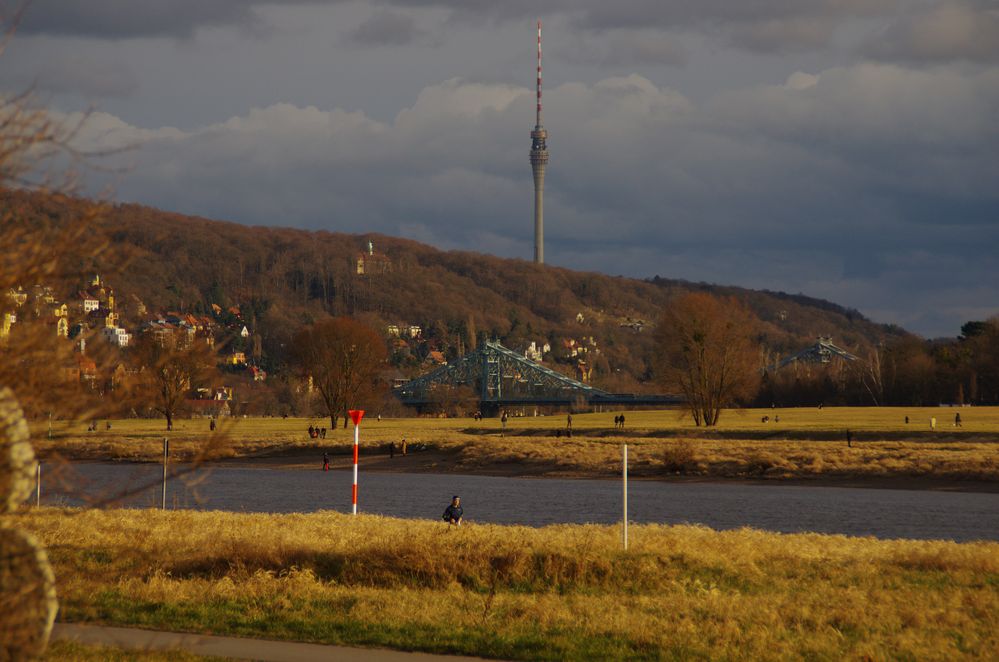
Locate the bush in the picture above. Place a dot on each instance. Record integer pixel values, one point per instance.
(678, 457)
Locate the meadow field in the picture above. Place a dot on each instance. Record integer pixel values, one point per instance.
(560, 592)
(795, 444)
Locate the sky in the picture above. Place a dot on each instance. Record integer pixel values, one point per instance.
(844, 149)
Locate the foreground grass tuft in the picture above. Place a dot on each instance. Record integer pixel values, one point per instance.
(680, 592)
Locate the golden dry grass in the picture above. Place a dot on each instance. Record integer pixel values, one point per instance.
(680, 592)
(805, 444)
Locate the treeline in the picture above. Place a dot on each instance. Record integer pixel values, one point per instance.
(904, 371)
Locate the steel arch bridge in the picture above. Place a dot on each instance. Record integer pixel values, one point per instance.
(501, 377)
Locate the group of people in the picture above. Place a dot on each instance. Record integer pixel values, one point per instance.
(403, 448)
(619, 421)
(316, 432)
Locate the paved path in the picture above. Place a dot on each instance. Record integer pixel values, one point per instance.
(235, 647)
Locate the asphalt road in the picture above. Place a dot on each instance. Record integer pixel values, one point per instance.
(234, 647)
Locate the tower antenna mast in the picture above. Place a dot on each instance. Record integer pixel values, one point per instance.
(539, 161)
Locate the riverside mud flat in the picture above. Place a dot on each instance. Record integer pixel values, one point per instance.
(559, 592)
(805, 445)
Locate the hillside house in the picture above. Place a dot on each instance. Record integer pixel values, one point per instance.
(87, 303)
(9, 320)
(86, 369)
(18, 296)
(208, 407)
(220, 393)
(117, 336)
(42, 294)
(61, 325)
(536, 352)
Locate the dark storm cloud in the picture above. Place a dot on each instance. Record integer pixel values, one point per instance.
(385, 28)
(942, 32)
(760, 25)
(85, 75)
(854, 184)
(125, 19)
(628, 48)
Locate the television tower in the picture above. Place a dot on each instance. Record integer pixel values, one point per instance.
(539, 161)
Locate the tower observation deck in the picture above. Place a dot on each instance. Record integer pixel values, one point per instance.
(539, 161)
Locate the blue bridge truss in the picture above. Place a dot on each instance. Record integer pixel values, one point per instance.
(499, 377)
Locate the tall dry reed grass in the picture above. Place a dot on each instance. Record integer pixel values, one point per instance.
(552, 593)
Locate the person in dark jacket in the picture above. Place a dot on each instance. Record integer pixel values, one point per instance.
(453, 513)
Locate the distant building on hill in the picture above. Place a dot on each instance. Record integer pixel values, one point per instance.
(370, 262)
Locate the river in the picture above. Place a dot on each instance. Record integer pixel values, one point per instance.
(884, 513)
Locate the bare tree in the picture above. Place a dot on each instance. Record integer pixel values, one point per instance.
(872, 377)
(708, 353)
(167, 368)
(343, 358)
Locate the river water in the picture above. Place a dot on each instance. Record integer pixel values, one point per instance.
(882, 513)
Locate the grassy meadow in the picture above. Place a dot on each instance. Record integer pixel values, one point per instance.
(559, 592)
(805, 443)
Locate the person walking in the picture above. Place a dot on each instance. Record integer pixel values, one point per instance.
(326, 461)
(404, 446)
(453, 513)
(622, 421)
(849, 439)
(568, 421)
(957, 420)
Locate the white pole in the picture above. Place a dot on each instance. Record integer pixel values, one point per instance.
(166, 451)
(357, 430)
(38, 485)
(624, 474)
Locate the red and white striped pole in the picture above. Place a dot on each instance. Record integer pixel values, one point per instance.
(355, 415)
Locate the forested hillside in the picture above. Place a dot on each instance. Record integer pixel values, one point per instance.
(282, 278)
